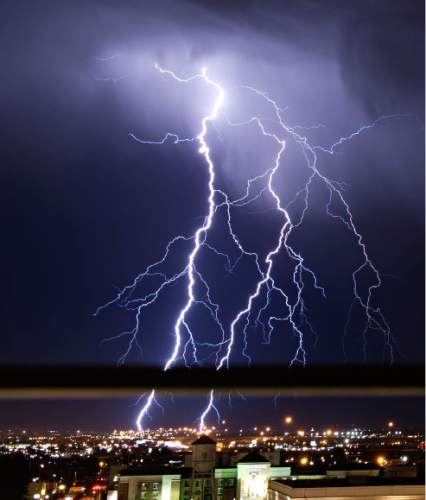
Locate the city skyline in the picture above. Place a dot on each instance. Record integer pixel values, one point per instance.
(408, 413)
(181, 463)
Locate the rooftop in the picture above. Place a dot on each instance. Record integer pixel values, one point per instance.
(253, 457)
(204, 440)
(350, 481)
(156, 470)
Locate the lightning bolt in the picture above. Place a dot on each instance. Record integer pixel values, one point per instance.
(210, 407)
(144, 412)
(201, 232)
(256, 311)
(374, 316)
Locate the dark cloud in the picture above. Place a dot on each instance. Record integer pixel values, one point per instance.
(382, 56)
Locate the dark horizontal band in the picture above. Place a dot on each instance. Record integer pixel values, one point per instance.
(109, 381)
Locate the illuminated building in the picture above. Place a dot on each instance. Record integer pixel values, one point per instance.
(259, 476)
(194, 482)
(248, 479)
(203, 456)
(253, 474)
(152, 483)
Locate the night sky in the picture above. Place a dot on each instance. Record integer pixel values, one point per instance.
(85, 207)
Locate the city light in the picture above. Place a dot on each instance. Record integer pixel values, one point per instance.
(306, 448)
(288, 420)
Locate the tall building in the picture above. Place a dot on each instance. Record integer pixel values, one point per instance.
(203, 458)
(153, 483)
(253, 473)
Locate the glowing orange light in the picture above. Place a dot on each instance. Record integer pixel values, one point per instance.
(303, 460)
(288, 420)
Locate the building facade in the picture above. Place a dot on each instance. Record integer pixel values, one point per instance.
(201, 479)
(151, 484)
(253, 477)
